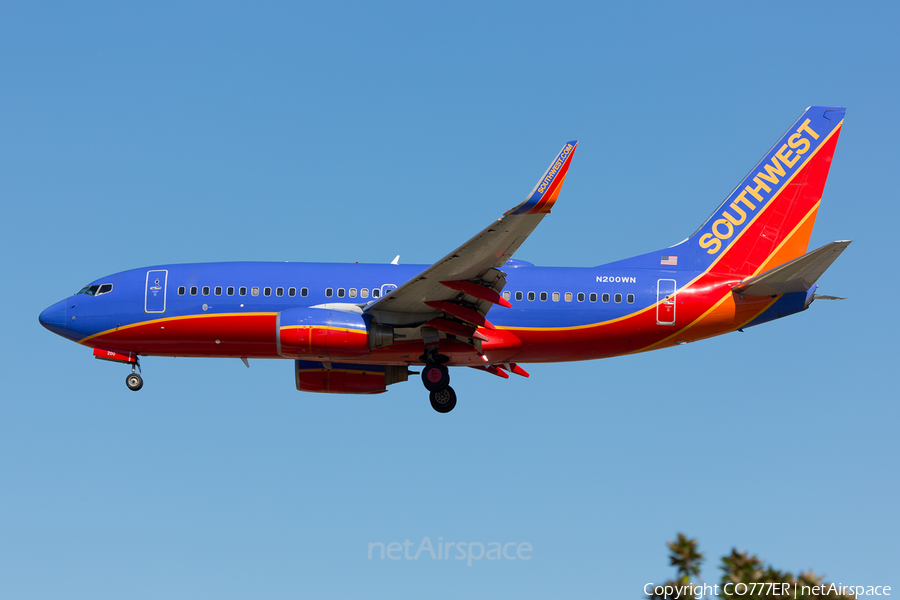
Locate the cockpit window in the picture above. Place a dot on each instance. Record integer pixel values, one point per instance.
(96, 290)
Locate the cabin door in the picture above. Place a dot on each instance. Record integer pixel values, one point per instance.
(665, 299)
(155, 292)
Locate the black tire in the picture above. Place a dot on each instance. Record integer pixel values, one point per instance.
(443, 400)
(134, 382)
(435, 377)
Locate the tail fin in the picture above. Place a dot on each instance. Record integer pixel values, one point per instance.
(767, 220)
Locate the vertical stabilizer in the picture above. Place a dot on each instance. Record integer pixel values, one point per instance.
(767, 220)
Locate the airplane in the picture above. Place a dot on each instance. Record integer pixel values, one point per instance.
(358, 328)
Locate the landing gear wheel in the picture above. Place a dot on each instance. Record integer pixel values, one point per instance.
(134, 382)
(443, 400)
(435, 377)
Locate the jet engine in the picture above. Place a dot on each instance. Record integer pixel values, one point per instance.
(313, 376)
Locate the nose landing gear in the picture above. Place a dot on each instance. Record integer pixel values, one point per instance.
(134, 380)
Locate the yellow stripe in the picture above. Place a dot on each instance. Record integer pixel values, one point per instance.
(700, 318)
(726, 296)
(708, 269)
(775, 197)
(170, 319)
(576, 327)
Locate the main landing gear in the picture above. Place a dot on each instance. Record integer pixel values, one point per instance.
(436, 378)
(134, 380)
(443, 400)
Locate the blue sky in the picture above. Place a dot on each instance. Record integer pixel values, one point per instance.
(188, 132)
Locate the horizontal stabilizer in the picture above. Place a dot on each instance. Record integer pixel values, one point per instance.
(797, 275)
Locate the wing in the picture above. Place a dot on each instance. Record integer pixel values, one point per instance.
(458, 290)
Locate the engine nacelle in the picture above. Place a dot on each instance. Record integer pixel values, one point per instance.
(312, 376)
(312, 332)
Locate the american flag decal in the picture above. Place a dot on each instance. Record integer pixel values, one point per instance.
(669, 260)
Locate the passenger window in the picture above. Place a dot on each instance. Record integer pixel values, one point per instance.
(292, 292)
(630, 298)
(230, 290)
(329, 292)
(606, 297)
(181, 291)
(568, 296)
(364, 293)
(242, 291)
(543, 296)
(279, 292)
(593, 297)
(353, 292)
(506, 296)
(267, 291)
(530, 296)
(304, 292)
(206, 290)
(556, 296)
(193, 290)
(341, 292)
(519, 296)
(581, 296)
(218, 290)
(618, 298)
(376, 292)
(105, 289)
(254, 291)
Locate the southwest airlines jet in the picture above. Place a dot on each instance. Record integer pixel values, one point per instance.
(358, 328)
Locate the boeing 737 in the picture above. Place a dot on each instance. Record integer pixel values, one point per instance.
(358, 328)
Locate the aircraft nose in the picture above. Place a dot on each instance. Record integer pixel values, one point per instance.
(54, 318)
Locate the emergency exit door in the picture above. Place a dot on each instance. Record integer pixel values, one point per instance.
(665, 302)
(155, 292)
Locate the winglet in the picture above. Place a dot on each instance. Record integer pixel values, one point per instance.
(544, 194)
